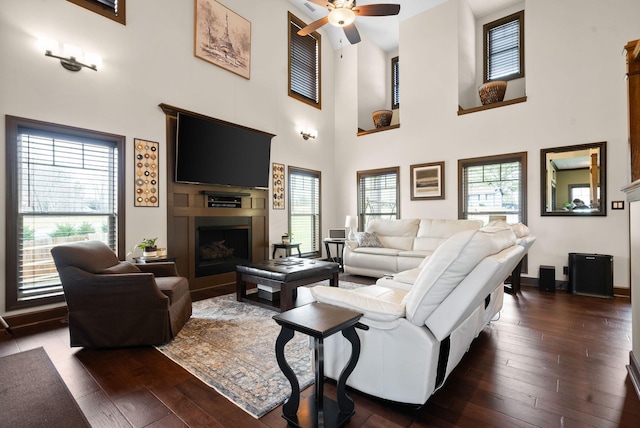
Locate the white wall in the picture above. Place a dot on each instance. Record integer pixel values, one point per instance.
(576, 94)
(150, 61)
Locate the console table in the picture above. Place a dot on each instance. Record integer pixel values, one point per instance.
(318, 320)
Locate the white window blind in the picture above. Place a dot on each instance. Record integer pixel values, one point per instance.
(378, 195)
(67, 191)
(395, 82)
(504, 48)
(304, 209)
(304, 64)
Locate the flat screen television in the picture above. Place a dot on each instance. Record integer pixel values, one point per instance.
(221, 153)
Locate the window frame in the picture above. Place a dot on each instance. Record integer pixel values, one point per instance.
(13, 125)
(520, 157)
(316, 249)
(486, 28)
(294, 21)
(395, 82)
(361, 176)
(101, 8)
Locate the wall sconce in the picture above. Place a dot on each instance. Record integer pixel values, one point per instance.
(309, 133)
(72, 58)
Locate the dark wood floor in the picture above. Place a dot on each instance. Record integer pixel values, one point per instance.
(551, 360)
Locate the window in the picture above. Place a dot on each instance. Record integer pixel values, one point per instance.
(304, 209)
(378, 195)
(395, 82)
(62, 185)
(504, 48)
(304, 64)
(494, 186)
(112, 9)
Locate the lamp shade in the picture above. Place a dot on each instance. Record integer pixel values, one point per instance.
(351, 222)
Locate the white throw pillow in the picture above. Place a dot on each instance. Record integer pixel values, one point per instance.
(449, 265)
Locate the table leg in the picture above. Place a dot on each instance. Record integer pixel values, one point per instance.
(299, 253)
(241, 287)
(286, 297)
(273, 254)
(290, 407)
(333, 281)
(345, 403)
(318, 350)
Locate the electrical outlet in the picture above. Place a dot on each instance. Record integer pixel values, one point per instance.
(565, 270)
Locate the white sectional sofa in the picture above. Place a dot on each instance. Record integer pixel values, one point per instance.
(399, 245)
(414, 334)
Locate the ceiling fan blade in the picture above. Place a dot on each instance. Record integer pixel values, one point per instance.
(377, 9)
(352, 33)
(313, 26)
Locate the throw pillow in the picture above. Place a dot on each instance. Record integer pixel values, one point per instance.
(368, 239)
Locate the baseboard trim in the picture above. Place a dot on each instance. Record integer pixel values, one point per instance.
(634, 372)
(58, 314)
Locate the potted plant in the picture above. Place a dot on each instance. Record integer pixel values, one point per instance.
(287, 238)
(149, 248)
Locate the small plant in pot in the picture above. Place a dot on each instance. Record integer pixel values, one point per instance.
(149, 248)
(287, 238)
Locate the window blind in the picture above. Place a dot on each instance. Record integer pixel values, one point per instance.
(377, 195)
(395, 82)
(503, 48)
(304, 64)
(67, 191)
(304, 209)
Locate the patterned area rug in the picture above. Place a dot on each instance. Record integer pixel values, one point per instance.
(229, 345)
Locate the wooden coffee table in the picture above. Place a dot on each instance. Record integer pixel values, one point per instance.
(284, 275)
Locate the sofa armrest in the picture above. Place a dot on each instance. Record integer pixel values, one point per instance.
(159, 269)
(350, 245)
(372, 308)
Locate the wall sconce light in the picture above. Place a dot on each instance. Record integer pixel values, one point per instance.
(72, 58)
(309, 133)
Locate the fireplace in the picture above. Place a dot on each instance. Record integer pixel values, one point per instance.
(221, 243)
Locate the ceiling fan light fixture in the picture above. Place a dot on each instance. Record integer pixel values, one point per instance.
(341, 17)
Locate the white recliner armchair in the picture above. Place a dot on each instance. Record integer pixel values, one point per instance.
(413, 336)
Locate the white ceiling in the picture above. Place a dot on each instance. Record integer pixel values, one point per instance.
(383, 31)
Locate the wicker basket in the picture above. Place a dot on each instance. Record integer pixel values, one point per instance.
(492, 92)
(382, 118)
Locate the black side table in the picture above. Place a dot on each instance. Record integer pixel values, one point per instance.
(339, 243)
(287, 248)
(318, 320)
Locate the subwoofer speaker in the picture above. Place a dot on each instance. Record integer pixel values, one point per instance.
(591, 274)
(547, 278)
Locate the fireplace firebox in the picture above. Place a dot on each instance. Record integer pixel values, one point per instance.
(221, 243)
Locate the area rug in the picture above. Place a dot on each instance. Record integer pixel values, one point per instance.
(229, 345)
(32, 393)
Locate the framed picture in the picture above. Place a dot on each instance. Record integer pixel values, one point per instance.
(222, 37)
(427, 181)
(147, 161)
(278, 186)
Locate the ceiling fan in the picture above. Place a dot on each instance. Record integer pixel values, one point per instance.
(342, 13)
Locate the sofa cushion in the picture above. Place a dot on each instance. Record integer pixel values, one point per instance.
(450, 263)
(380, 251)
(376, 303)
(122, 267)
(367, 239)
(395, 233)
(433, 232)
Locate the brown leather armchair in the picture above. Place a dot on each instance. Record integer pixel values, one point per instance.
(115, 303)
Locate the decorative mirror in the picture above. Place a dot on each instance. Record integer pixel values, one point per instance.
(574, 180)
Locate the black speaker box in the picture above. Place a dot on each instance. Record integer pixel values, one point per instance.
(547, 278)
(591, 274)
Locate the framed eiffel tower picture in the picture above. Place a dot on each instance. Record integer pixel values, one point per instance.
(222, 37)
